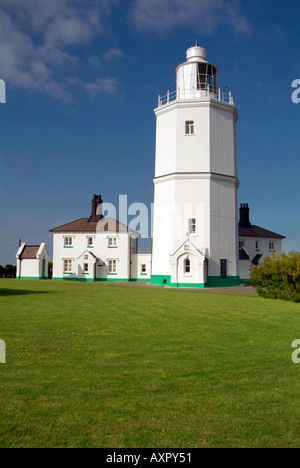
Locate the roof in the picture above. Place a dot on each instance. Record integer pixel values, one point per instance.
(29, 252)
(256, 231)
(87, 225)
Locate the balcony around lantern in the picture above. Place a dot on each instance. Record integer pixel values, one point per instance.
(205, 92)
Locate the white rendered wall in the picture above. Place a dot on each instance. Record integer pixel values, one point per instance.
(252, 251)
(30, 268)
(101, 249)
(136, 266)
(198, 172)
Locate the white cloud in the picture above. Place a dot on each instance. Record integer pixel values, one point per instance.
(205, 15)
(94, 88)
(114, 53)
(35, 40)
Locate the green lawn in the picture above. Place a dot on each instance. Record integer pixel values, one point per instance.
(108, 365)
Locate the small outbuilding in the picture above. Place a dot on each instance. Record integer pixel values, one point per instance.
(32, 261)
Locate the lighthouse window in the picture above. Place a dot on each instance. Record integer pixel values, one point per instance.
(192, 226)
(189, 127)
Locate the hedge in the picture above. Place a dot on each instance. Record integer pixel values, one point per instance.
(278, 277)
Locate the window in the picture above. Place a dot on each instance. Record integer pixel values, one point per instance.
(187, 266)
(68, 266)
(112, 242)
(112, 266)
(192, 225)
(189, 127)
(68, 242)
(144, 268)
(257, 245)
(90, 241)
(271, 245)
(85, 267)
(241, 244)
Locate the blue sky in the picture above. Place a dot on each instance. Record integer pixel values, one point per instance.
(82, 82)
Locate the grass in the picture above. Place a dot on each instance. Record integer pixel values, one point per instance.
(108, 365)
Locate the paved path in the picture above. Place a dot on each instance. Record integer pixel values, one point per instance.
(242, 289)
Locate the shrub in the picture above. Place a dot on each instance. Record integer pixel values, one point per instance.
(278, 277)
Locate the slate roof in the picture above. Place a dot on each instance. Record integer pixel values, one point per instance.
(256, 231)
(29, 252)
(87, 225)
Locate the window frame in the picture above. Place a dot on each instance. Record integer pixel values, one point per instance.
(187, 267)
(192, 222)
(112, 242)
(112, 266)
(189, 127)
(68, 265)
(68, 242)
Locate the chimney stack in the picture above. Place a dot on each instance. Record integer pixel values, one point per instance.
(96, 208)
(245, 216)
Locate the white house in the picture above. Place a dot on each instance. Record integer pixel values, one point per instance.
(98, 249)
(32, 261)
(255, 243)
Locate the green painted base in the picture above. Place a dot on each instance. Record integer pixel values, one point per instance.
(188, 285)
(82, 280)
(103, 280)
(31, 278)
(218, 282)
(212, 282)
(160, 280)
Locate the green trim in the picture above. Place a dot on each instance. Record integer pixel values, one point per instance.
(31, 277)
(112, 246)
(68, 247)
(161, 280)
(85, 273)
(90, 247)
(67, 273)
(188, 285)
(83, 280)
(144, 274)
(112, 280)
(218, 282)
(112, 274)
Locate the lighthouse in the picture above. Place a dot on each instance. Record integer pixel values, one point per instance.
(195, 226)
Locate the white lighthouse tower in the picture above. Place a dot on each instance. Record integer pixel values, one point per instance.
(195, 227)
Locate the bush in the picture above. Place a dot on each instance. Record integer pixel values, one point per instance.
(278, 277)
